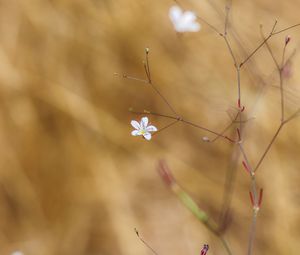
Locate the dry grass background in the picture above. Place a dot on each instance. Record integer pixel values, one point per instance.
(74, 181)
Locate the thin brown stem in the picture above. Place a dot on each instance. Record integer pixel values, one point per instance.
(254, 51)
(269, 146)
(144, 242)
(259, 46)
(252, 232)
(245, 156)
(266, 39)
(227, 10)
(255, 199)
(230, 50)
(146, 71)
(149, 81)
(147, 64)
(226, 128)
(208, 130)
(283, 56)
(285, 29)
(183, 121)
(125, 76)
(273, 57)
(279, 69)
(225, 244)
(163, 98)
(294, 115)
(281, 97)
(237, 70)
(153, 113)
(167, 126)
(209, 25)
(238, 73)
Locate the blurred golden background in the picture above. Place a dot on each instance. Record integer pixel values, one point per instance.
(74, 181)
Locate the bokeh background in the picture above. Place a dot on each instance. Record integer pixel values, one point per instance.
(72, 178)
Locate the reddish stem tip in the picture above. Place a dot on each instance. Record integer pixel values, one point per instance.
(260, 197)
(165, 173)
(287, 39)
(204, 249)
(246, 167)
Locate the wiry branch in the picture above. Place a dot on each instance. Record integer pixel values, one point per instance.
(145, 243)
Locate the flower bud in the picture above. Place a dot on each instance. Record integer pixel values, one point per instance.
(287, 39)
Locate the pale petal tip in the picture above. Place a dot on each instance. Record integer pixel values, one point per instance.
(144, 122)
(135, 124)
(205, 139)
(147, 136)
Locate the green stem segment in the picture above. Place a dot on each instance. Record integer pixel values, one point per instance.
(201, 215)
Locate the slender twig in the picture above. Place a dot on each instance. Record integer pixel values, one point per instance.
(238, 73)
(283, 120)
(225, 244)
(148, 74)
(163, 98)
(282, 98)
(283, 56)
(144, 242)
(183, 121)
(167, 126)
(260, 45)
(227, 10)
(294, 115)
(125, 76)
(147, 64)
(285, 29)
(269, 146)
(153, 113)
(272, 33)
(279, 69)
(252, 233)
(226, 128)
(230, 50)
(269, 49)
(208, 130)
(146, 71)
(209, 25)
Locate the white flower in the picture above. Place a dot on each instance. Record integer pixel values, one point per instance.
(142, 128)
(183, 21)
(17, 253)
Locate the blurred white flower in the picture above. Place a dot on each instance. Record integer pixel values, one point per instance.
(17, 253)
(142, 128)
(183, 21)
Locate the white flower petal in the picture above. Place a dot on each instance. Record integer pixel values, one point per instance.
(151, 129)
(147, 136)
(183, 21)
(188, 17)
(194, 27)
(188, 22)
(175, 13)
(135, 124)
(17, 253)
(135, 132)
(144, 122)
